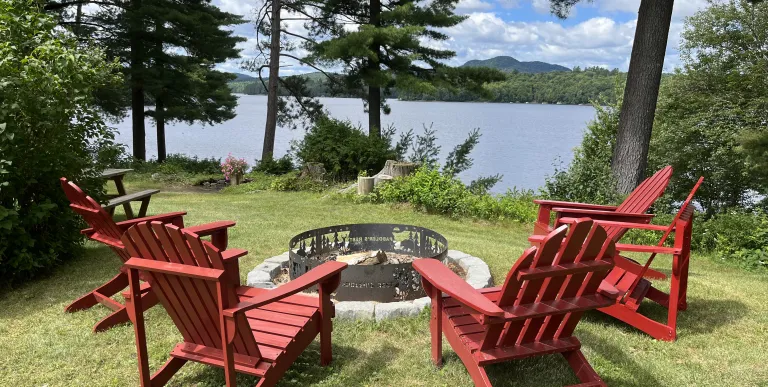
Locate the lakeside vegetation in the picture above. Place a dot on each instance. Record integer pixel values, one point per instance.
(575, 87)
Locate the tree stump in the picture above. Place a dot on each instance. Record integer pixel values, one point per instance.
(364, 185)
(403, 169)
(314, 171)
(387, 170)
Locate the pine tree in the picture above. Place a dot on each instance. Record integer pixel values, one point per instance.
(386, 51)
(185, 87)
(273, 45)
(168, 49)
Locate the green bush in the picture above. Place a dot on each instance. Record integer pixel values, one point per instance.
(738, 237)
(588, 178)
(431, 191)
(345, 150)
(176, 163)
(50, 126)
(280, 166)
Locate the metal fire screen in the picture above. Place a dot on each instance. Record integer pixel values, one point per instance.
(382, 282)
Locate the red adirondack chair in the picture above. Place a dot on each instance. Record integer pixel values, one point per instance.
(105, 230)
(534, 313)
(635, 288)
(633, 209)
(254, 331)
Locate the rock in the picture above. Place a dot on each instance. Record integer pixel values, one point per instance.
(385, 311)
(257, 277)
(281, 259)
(423, 302)
(456, 254)
(355, 310)
(272, 268)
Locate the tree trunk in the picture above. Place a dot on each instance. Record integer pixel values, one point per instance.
(630, 158)
(268, 148)
(160, 121)
(137, 83)
(160, 97)
(374, 91)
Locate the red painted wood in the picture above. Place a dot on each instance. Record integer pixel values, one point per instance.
(103, 229)
(242, 330)
(633, 280)
(638, 202)
(544, 294)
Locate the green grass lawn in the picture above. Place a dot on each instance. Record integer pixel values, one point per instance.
(723, 337)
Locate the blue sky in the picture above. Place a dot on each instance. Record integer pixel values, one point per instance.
(597, 33)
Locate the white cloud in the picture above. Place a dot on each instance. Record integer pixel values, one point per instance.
(509, 3)
(681, 8)
(541, 6)
(597, 41)
(465, 6)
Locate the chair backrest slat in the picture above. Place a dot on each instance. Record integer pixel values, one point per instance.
(104, 228)
(642, 198)
(192, 303)
(561, 271)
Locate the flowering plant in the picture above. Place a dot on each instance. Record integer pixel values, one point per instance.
(233, 166)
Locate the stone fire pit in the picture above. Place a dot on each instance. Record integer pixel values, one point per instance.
(380, 281)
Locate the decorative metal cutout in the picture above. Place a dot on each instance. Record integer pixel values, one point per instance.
(383, 282)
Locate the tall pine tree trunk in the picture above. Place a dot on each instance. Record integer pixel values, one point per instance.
(268, 148)
(160, 122)
(160, 95)
(630, 158)
(137, 81)
(374, 92)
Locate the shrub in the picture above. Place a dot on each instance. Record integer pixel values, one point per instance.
(344, 149)
(431, 191)
(589, 178)
(51, 127)
(280, 166)
(738, 237)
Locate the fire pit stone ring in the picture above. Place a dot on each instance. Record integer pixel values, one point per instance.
(477, 274)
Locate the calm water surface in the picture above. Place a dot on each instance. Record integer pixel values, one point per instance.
(520, 141)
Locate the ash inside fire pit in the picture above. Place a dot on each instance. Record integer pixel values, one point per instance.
(379, 258)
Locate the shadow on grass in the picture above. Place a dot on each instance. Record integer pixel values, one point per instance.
(702, 317)
(618, 358)
(63, 284)
(359, 368)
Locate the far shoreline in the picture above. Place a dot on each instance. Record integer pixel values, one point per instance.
(432, 100)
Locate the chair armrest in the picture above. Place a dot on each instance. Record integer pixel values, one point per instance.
(587, 206)
(622, 247)
(315, 276)
(233, 254)
(126, 224)
(602, 215)
(609, 223)
(210, 228)
(442, 278)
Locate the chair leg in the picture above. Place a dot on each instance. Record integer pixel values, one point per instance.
(111, 287)
(655, 329)
(582, 368)
(120, 316)
(266, 382)
(479, 376)
(166, 372)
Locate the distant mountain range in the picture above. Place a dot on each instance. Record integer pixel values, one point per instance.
(510, 64)
(243, 77)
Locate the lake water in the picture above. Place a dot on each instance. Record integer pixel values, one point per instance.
(520, 141)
